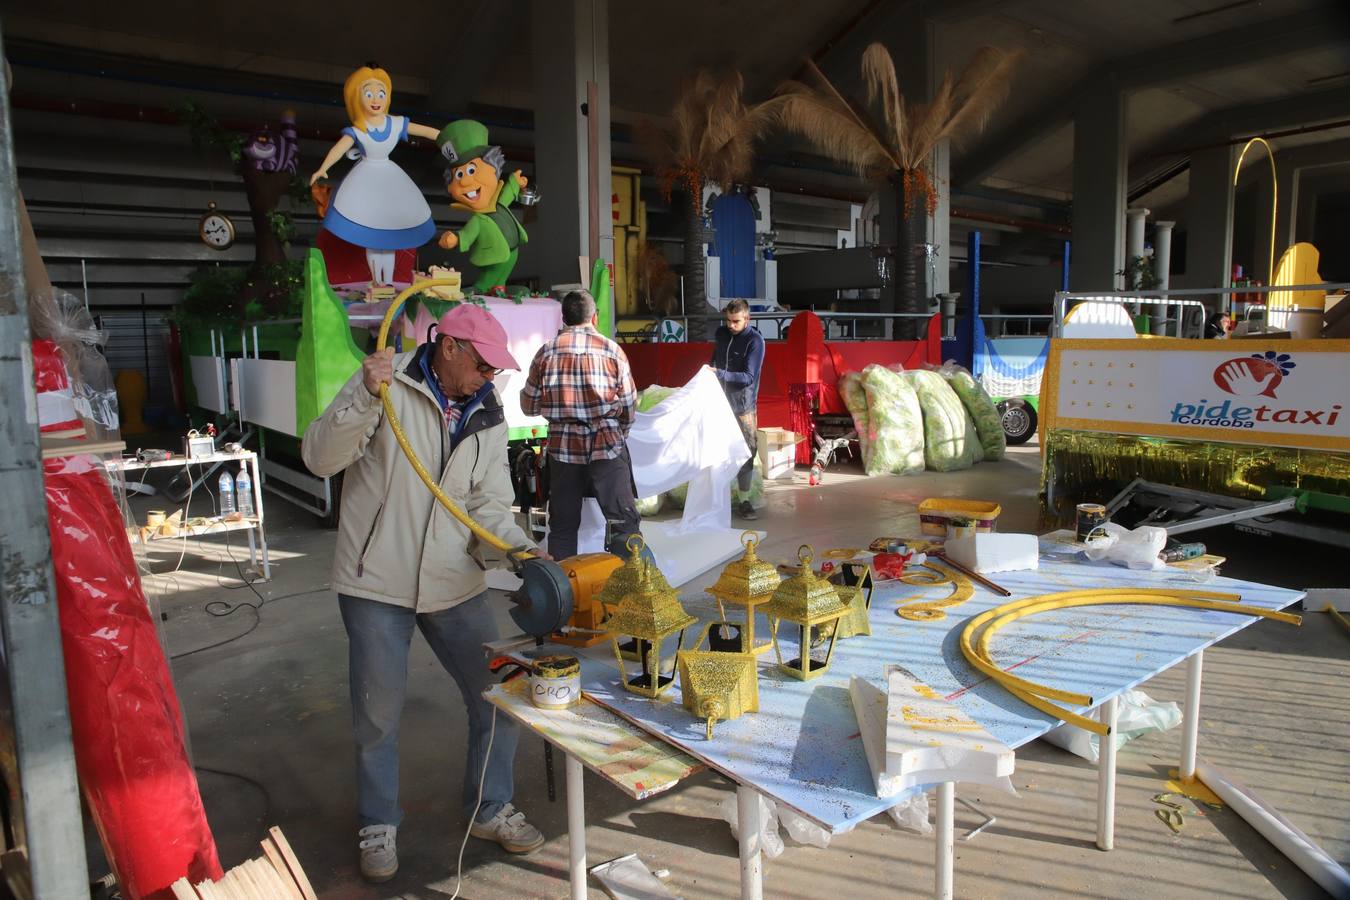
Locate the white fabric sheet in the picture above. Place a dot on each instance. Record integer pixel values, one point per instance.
(691, 436)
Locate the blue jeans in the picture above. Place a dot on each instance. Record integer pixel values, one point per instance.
(379, 635)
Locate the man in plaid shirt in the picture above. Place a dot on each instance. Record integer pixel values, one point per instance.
(581, 383)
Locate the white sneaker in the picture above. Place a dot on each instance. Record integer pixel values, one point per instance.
(509, 829)
(379, 858)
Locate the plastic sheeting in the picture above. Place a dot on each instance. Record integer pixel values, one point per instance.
(690, 436)
(130, 750)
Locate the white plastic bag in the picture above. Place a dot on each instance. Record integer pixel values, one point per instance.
(802, 830)
(912, 815)
(770, 844)
(1133, 549)
(1136, 714)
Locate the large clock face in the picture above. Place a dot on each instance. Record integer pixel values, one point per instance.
(217, 231)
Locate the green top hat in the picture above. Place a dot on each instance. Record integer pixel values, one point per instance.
(463, 140)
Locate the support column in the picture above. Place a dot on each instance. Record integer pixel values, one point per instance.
(1162, 253)
(1286, 198)
(1209, 219)
(570, 50)
(1099, 160)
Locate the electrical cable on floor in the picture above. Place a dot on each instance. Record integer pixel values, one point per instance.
(257, 620)
(267, 797)
(473, 815)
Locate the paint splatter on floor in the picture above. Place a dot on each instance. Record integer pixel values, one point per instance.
(1194, 789)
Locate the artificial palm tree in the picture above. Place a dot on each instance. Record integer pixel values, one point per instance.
(897, 145)
(710, 139)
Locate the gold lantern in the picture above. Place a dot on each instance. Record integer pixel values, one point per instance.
(748, 582)
(853, 581)
(623, 581)
(809, 602)
(717, 685)
(648, 613)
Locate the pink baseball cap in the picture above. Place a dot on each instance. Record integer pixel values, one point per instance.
(472, 323)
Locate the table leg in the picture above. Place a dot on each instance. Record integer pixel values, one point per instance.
(576, 826)
(1190, 738)
(946, 845)
(747, 815)
(258, 511)
(1106, 780)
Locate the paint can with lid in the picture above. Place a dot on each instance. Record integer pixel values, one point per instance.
(1090, 518)
(556, 682)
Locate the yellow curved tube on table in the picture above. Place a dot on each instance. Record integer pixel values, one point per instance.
(453, 508)
(1032, 693)
(987, 666)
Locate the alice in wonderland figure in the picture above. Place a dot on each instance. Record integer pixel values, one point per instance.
(376, 206)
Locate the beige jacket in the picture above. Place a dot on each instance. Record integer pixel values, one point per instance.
(396, 543)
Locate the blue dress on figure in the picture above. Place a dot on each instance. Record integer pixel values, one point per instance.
(377, 206)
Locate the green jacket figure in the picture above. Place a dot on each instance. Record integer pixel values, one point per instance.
(492, 236)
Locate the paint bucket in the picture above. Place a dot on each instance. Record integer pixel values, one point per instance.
(556, 682)
(1090, 518)
(155, 518)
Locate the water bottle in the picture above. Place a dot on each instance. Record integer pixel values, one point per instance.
(226, 485)
(243, 489)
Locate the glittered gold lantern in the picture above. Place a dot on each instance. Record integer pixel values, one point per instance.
(623, 581)
(748, 582)
(853, 581)
(807, 602)
(648, 613)
(717, 685)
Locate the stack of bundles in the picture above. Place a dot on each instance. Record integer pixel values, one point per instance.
(981, 407)
(895, 428)
(950, 439)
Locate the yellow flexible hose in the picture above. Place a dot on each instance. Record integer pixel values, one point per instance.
(1033, 693)
(478, 531)
(986, 664)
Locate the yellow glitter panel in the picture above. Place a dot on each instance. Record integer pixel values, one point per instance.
(1086, 466)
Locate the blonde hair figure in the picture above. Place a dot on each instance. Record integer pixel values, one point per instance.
(377, 206)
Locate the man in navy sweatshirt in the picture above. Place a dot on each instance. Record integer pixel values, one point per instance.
(737, 357)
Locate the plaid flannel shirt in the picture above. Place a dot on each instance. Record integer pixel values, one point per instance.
(581, 383)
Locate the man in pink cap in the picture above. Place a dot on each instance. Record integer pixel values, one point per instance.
(403, 562)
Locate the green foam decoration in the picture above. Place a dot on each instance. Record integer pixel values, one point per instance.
(600, 291)
(327, 355)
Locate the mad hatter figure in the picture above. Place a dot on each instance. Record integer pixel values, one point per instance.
(492, 236)
(376, 206)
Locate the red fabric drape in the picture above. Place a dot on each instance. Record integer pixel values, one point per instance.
(130, 750)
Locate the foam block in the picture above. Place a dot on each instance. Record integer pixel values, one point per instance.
(985, 553)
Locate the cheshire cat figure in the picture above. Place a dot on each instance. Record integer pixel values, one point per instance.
(272, 153)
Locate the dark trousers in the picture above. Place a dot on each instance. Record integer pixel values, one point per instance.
(749, 422)
(610, 481)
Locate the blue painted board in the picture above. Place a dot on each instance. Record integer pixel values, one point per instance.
(802, 748)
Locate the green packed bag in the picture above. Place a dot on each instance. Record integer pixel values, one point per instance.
(950, 439)
(895, 423)
(988, 423)
(855, 399)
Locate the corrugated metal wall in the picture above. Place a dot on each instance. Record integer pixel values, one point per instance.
(129, 341)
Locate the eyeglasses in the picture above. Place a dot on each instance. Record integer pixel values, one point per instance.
(482, 367)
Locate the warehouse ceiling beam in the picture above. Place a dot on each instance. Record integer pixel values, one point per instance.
(1241, 47)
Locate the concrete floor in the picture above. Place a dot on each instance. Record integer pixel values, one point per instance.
(272, 707)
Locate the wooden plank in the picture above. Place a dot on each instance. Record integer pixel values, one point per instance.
(637, 764)
(297, 871)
